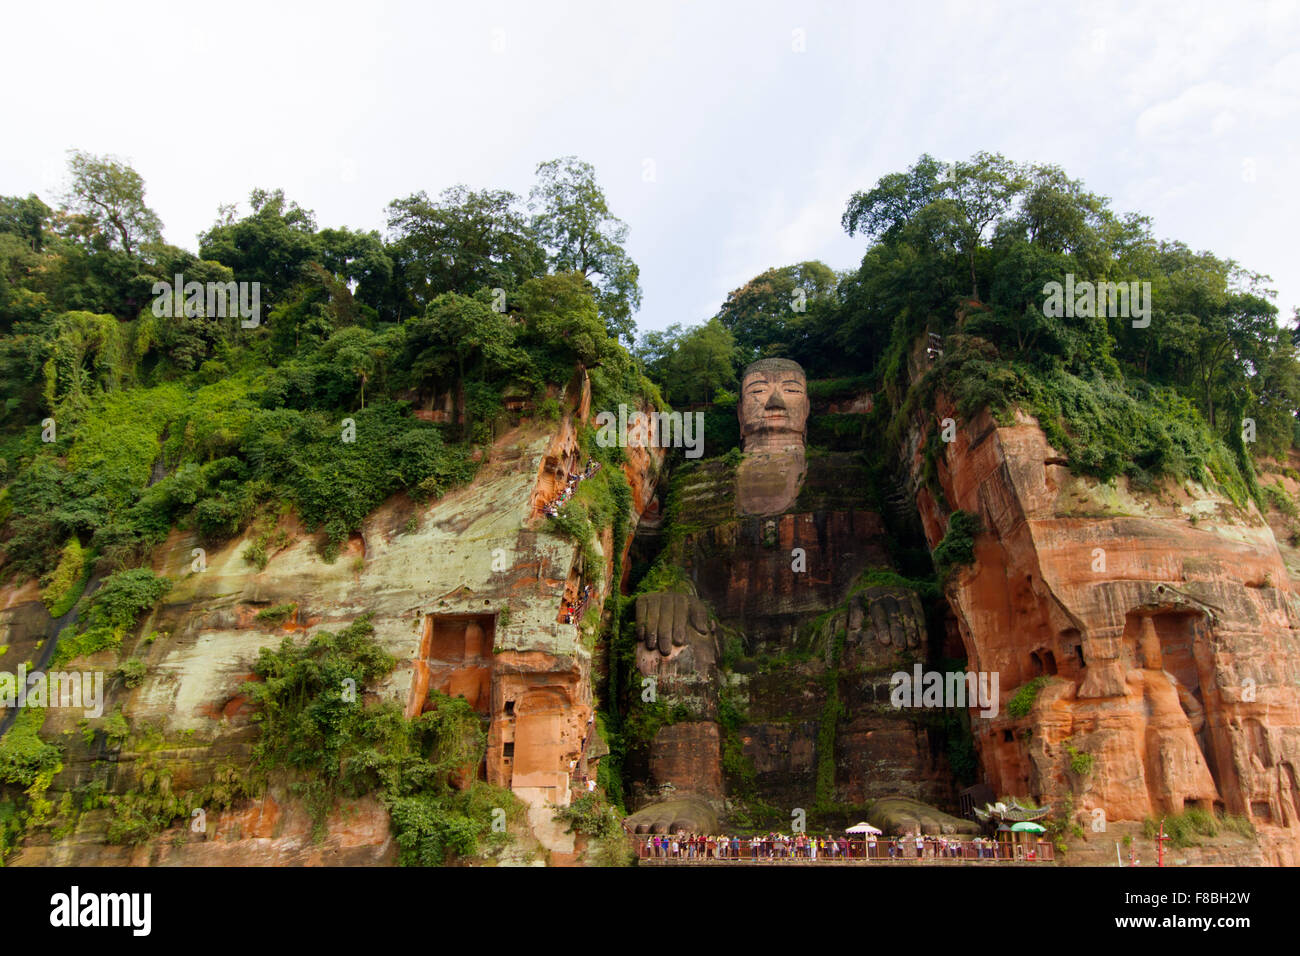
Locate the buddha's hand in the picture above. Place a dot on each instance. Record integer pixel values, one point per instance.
(665, 621)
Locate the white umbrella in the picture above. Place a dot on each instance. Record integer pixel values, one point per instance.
(863, 828)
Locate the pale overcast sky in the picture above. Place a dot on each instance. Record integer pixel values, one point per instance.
(727, 135)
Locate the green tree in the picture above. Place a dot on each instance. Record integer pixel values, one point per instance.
(466, 331)
(573, 222)
(87, 352)
(362, 353)
(110, 194)
(27, 219)
(1057, 215)
(464, 241)
(885, 210)
(271, 245)
(957, 204)
(981, 190)
(694, 364)
(770, 313)
(358, 259)
(560, 317)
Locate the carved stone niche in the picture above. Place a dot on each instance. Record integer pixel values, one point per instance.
(456, 659)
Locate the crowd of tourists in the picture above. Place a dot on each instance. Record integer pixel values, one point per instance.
(780, 846)
(552, 510)
(573, 610)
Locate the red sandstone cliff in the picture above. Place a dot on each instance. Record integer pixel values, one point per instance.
(1165, 623)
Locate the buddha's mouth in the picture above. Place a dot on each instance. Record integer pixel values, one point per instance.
(773, 423)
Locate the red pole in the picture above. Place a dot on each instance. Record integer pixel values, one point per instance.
(1160, 845)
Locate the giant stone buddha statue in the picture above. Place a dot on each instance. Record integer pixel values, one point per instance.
(740, 580)
(773, 412)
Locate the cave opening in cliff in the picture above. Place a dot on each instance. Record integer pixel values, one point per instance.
(1042, 662)
(457, 657)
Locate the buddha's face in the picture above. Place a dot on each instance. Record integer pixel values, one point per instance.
(773, 408)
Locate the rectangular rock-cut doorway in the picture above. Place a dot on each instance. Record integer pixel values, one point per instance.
(456, 659)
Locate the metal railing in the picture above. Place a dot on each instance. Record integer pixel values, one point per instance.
(743, 849)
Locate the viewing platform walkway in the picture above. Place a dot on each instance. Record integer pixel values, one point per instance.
(691, 852)
(841, 862)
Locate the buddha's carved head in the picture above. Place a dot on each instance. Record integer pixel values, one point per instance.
(773, 406)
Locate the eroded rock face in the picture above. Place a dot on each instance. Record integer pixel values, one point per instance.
(264, 832)
(466, 592)
(1165, 624)
(689, 757)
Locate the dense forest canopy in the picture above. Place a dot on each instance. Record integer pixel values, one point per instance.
(120, 421)
(130, 406)
(966, 251)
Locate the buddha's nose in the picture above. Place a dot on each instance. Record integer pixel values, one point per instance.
(776, 401)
